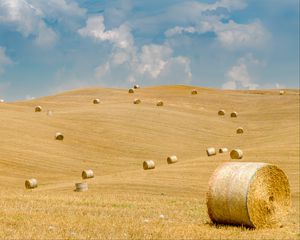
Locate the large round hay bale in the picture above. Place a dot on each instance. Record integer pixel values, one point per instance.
(211, 151)
(31, 183)
(239, 130)
(59, 136)
(136, 86)
(87, 174)
(96, 101)
(160, 103)
(137, 101)
(1, 100)
(248, 193)
(172, 159)
(194, 92)
(236, 154)
(234, 114)
(281, 92)
(130, 90)
(148, 164)
(221, 112)
(223, 150)
(38, 109)
(81, 187)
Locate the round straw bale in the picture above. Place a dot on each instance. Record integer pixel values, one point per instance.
(223, 150)
(239, 130)
(234, 114)
(137, 101)
(221, 112)
(248, 193)
(87, 174)
(38, 109)
(1, 100)
(281, 92)
(211, 151)
(160, 103)
(81, 187)
(136, 86)
(194, 92)
(236, 154)
(130, 90)
(59, 136)
(96, 101)
(148, 164)
(172, 159)
(31, 183)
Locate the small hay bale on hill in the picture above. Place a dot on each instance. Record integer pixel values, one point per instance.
(236, 154)
(281, 92)
(38, 109)
(234, 114)
(96, 101)
(87, 174)
(81, 187)
(250, 194)
(194, 92)
(136, 86)
(31, 183)
(160, 103)
(211, 151)
(59, 136)
(1, 100)
(239, 130)
(221, 112)
(172, 159)
(131, 90)
(137, 101)
(148, 164)
(223, 150)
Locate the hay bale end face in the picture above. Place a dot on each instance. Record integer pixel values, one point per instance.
(211, 151)
(87, 174)
(249, 194)
(223, 150)
(131, 90)
(221, 112)
(31, 183)
(38, 109)
(81, 187)
(136, 86)
(59, 136)
(282, 92)
(148, 164)
(172, 159)
(236, 154)
(194, 92)
(160, 103)
(137, 101)
(239, 130)
(96, 101)
(234, 114)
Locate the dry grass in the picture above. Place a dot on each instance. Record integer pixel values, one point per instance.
(115, 139)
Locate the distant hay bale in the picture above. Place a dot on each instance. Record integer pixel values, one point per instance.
(87, 174)
(172, 159)
(223, 150)
(250, 194)
(160, 103)
(81, 187)
(131, 90)
(1, 100)
(194, 92)
(136, 86)
(211, 151)
(59, 136)
(234, 114)
(236, 154)
(38, 109)
(137, 101)
(31, 183)
(221, 112)
(239, 130)
(96, 101)
(148, 164)
(281, 92)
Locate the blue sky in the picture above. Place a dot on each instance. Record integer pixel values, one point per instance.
(56, 45)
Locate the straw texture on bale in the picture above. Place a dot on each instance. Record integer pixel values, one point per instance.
(96, 101)
(136, 86)
(172, 159)
(160, 103)
(59, 136)
(236, 154)
(81, 187)
(38, 109)
(281, 92)
(194, 92)
(221, 112)
(249, 194)
(211, 151)
(223, 150)
(130, 90)
(31, 183)
(87, 174)
(239, 130)
(234, 114)
(148, 164)
(137, 101)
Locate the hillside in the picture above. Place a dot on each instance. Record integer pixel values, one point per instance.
(114, 138)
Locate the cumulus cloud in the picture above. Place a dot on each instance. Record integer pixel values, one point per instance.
(4, 60)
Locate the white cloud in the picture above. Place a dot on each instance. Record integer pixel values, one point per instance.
(102, 70)
(4, 60)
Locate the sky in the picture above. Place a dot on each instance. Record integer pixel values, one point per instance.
(52, 46)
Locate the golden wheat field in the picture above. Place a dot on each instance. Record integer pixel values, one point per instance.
(113, 139)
